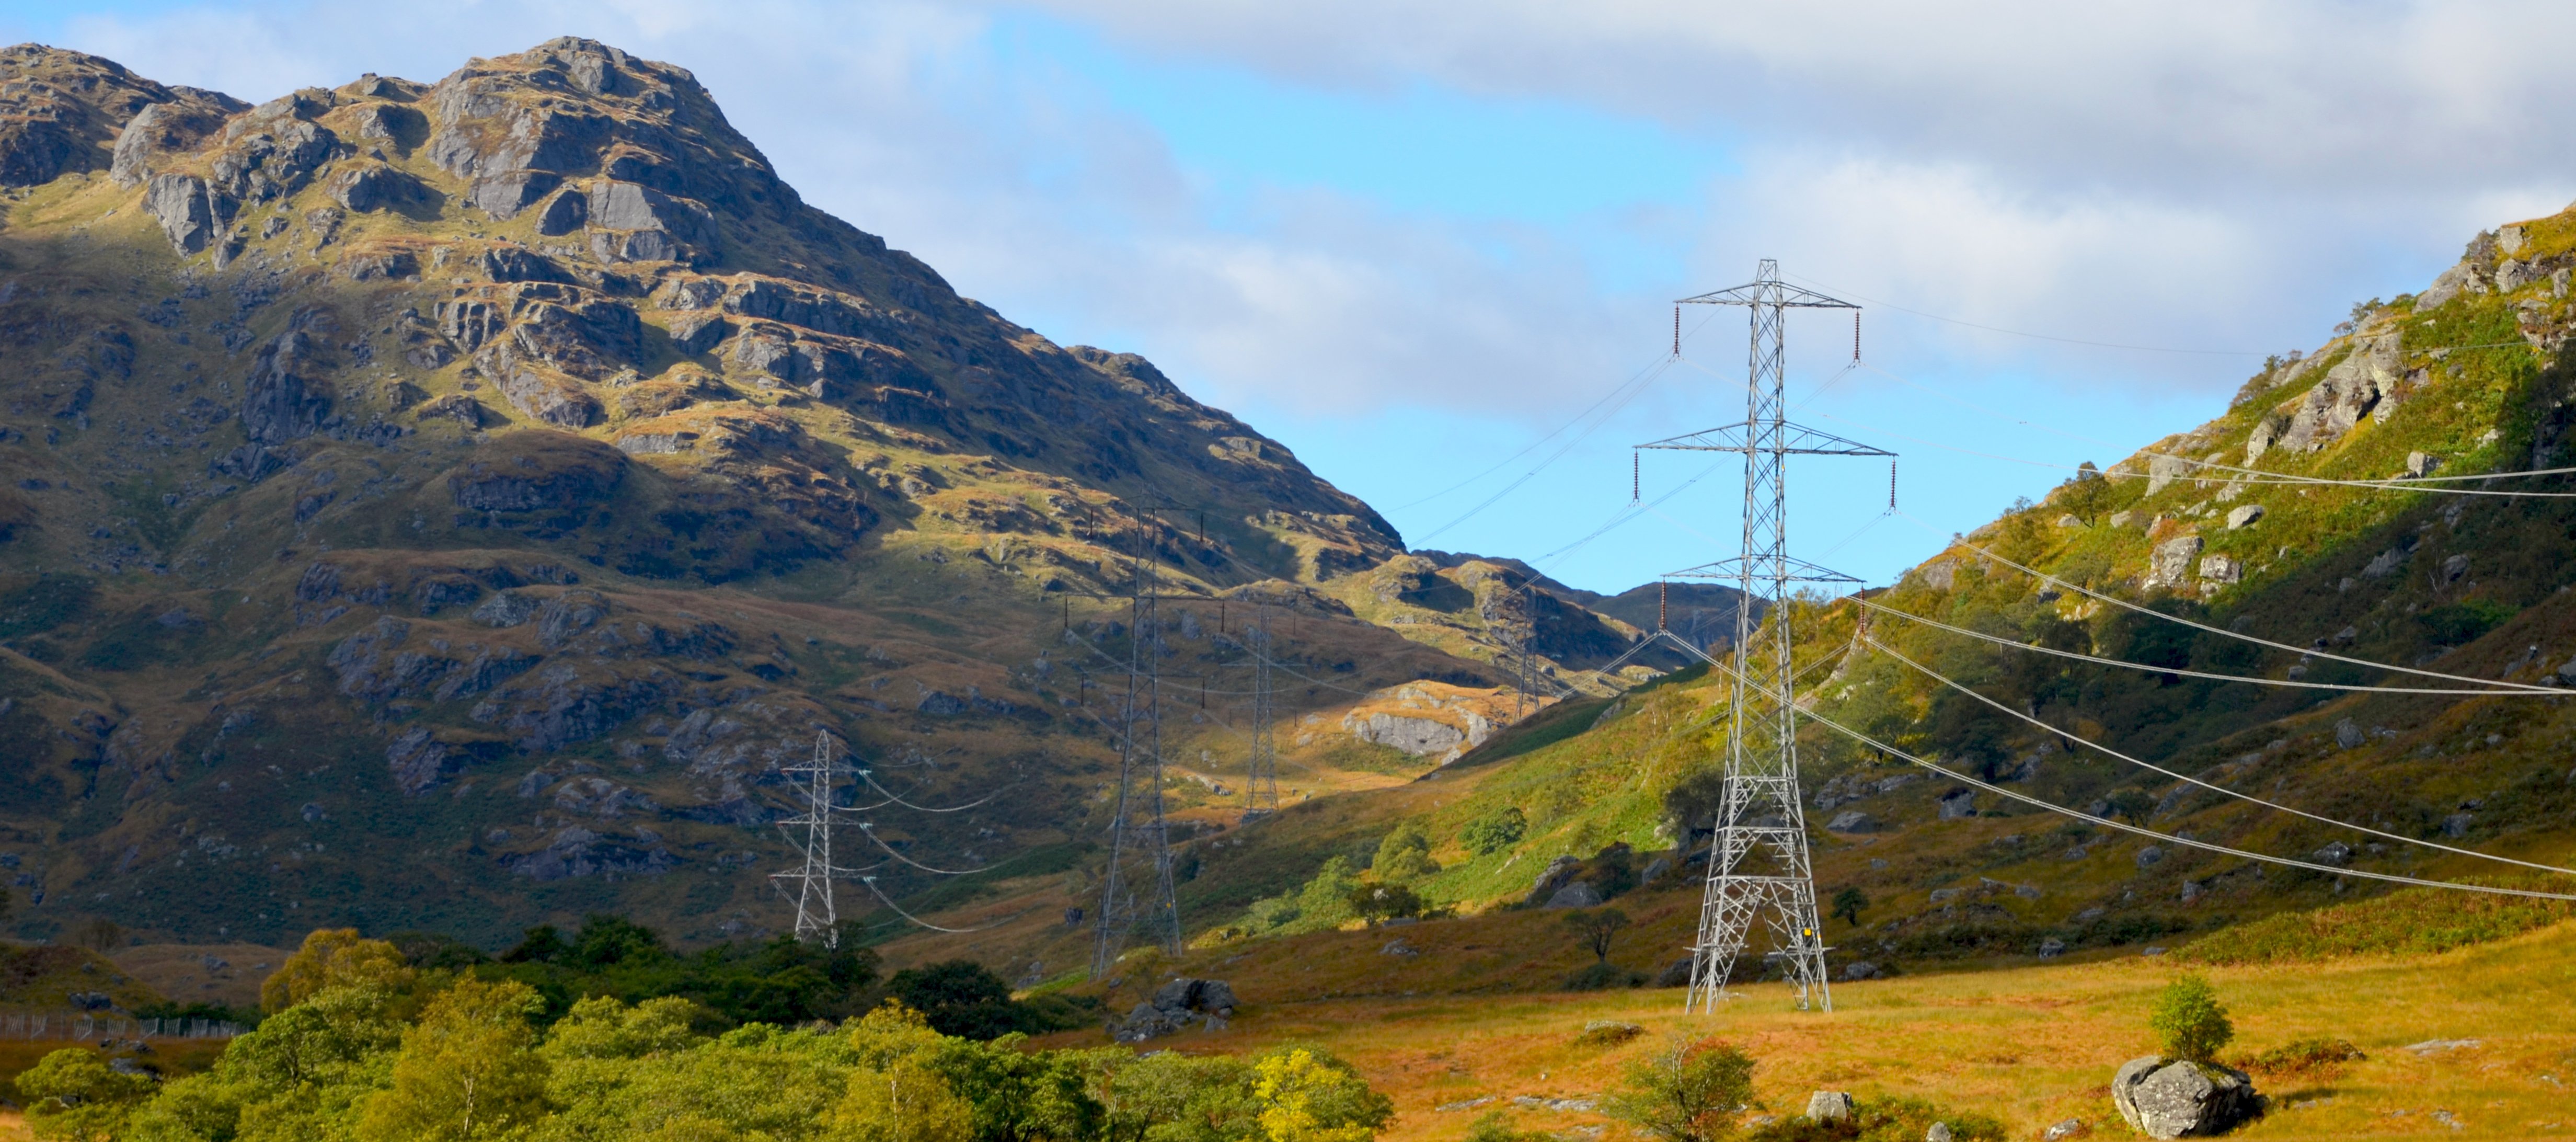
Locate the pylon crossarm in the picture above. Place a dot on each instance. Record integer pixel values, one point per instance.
(1790, 438)
(1769, 292)
(1789, 569)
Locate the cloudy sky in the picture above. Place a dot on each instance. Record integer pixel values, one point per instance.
(1432, 247)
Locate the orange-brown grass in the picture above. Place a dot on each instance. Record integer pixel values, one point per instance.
(2032, 1045)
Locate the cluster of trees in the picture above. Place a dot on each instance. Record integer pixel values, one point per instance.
(366, 1046)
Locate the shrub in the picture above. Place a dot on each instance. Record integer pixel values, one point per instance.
(1405, 854)
(961, 998)
(1496, 831)
(1376, 903)
(1684, 1093)
(2459, 623)
(73, 1094)
(1607, 1033)
(1849, 904)
(2189, 1021)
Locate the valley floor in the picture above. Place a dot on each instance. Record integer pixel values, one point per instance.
(2031, 1045)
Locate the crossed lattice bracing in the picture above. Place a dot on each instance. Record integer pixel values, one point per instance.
(1137, 898)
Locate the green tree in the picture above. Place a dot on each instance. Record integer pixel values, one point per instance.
(1171, 1097)
(2190, 1021)
(961, 998)
(906, 1102)
(1019, 1095)
(601, 1027)
(1403, 855)
(1309, 1096)
(2132, 805)
(1496, 831)
(467, 1071)
(1684, 1093)
(1597, 926)
(72, 1094)
(1849, 904)
(1378, 903)
(333, 957)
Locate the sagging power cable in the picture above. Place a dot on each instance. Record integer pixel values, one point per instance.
(2186, 672)
(897, 909)
(2187, 842)
(2098, 747)
(2051, 580)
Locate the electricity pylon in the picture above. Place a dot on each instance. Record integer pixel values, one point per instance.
(816, 918)
(1758, 870)
(1139, 843)
(1261, 778)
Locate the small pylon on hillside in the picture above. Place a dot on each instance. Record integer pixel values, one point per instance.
(1140, 850)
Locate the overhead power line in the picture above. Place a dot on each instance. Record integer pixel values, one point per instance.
(2098, 747)
(2089, 593)
(2079, 656)
(2187, 842)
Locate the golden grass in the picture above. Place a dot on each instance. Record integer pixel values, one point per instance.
(2033, 1046)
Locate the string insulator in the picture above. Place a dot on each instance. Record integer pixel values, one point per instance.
(1636, 476)
(1855, 337)
(1677, 331)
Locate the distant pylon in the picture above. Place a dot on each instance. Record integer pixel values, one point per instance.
(1529, 651)
(816, 918)
(1139, 843)
(1758, 868)
(1261, 778)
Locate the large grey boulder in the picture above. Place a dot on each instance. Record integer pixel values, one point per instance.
(1579, 894)
(1958, 803)
(2163, 470)
(2170, 564)
(2167, 1098)
(1829, 1106)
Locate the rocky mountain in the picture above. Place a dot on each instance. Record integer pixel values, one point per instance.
(449, 504)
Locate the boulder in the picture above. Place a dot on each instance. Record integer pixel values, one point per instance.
(1852, 821)
(2170, 565)
(1829, 1106)
(1940, 1132)
(1176, 1005)
(2164, 470)
(1579, 894)
(2071, 1128)
(2244, 516)
(2337, 854)
(2051, 948)
(2348, 734)
(1958, 803)
(2148, 856)
(1859, 970)
(2125, 519)
(1558, 871)
(2421, 464)
(2222, 568)
(2166, 1098)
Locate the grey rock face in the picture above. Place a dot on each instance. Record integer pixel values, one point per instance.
(1175, 1006)
(1852, 821)
(1829, 1106)
(2457, 824)
(1859, 970)
(1558, 871)
(505, 609)
(2222, 569)
(2337, 854)
(2170, 565)
(2071, 1128)
(2051, 948)
(1958, 803)
(2349, 734)
(158, 129)
(2329, 410)
(2422, 463)
(2267, 432)
(565, 213)
(1579, 894)
(2162, 471)
(1939, 1132)
(2245, 516)
(2163, 1098)
(188, 214)
(2148, 856)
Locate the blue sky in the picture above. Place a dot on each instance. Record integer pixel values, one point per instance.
(1411, 239)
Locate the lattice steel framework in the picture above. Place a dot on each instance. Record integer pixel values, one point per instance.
(816, 917)
(1758, 870)
(1261, 777)
(1140, 847)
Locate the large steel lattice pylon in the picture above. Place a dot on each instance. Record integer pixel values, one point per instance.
(1261, 775)
(1140, 849)
(1758, 871)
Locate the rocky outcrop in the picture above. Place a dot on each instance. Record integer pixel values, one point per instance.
(63, 112)
(2352, 389)
(2165, 1098)
(2170, 564)
(1174, 1006)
